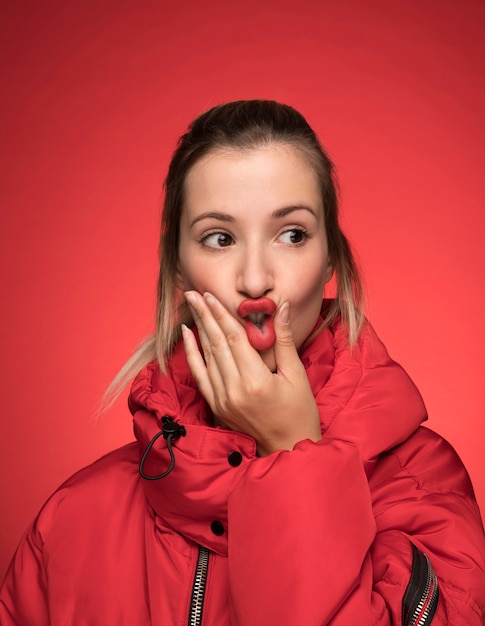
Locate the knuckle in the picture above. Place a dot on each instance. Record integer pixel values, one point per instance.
(218, 314)
(217, 343)
(236, 401)
(234, 337)
(232, 399)
(254, 387)
(286, 339)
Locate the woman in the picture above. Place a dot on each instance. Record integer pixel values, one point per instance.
(281, 475)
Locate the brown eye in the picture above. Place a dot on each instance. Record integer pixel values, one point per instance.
(218, 240)
(294, 236)
(224, 240)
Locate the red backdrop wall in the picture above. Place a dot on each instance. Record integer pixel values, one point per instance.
(94, 96)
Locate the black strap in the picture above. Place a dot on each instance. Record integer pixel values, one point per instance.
(171, 431)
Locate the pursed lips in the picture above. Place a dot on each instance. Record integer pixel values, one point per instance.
(256, 318)
(256, 309)
(258, 322)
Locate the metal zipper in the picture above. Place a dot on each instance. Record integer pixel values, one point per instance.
(198, 590)
(421, 597)
(427, 604)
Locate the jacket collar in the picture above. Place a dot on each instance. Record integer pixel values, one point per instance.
(363, 396)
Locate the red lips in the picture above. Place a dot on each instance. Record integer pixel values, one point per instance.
(258, 321)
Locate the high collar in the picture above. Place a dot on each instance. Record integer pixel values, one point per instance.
(363, 396)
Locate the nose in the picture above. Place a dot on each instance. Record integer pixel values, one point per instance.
(255, 273)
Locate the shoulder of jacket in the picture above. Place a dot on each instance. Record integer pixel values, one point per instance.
(91, 492)
(429, 460)
(116, 465)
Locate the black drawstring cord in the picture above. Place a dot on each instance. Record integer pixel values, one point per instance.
(171, 431)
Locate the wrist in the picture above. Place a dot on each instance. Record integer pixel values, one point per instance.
(287, 443)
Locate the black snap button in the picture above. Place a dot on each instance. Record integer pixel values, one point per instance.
(234, 458)
(217, 528)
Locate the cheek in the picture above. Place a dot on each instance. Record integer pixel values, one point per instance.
(190, 269)
(307, 284)
(187, 279)
(201, 276)
(184, 280)
(307, 302)
(192, 280)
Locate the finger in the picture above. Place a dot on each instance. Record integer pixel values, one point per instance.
(286, 354)
(197, 365)
(244, 355)
(203, 338)
(219, 359)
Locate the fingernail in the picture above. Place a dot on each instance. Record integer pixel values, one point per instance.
(209, 298)
(285, 313)
(190, 297)
(185, 330)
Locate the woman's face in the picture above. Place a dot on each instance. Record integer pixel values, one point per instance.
(252, 227)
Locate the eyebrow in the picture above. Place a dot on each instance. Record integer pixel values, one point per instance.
(223, 217)
(279, 213)
(290, 209)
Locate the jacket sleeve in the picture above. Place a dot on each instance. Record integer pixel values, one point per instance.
(23, 596)
(311, 542)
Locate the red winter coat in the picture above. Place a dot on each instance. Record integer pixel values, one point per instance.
(375, 524)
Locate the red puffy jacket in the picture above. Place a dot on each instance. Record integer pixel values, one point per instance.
(374, 524)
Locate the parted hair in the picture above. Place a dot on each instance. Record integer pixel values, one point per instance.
(240, 125)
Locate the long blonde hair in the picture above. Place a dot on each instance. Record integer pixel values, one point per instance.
(243, 125)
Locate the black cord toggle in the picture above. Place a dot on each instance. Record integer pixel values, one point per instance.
(171, 431)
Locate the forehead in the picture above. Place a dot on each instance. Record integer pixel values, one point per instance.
(270, 174)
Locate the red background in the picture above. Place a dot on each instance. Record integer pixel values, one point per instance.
(94, 96)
